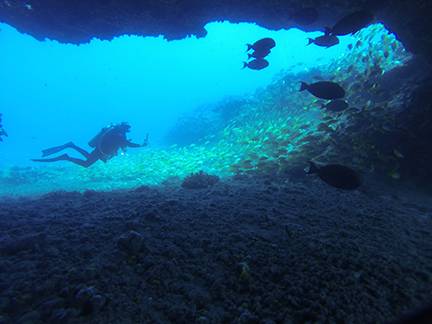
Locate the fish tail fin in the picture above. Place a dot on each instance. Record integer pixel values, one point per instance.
(249, 46)
(244, 65)
(303, 86)
(310, 41)
(312, 168)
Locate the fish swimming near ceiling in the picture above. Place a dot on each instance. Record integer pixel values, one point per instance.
(259, 54)
(351, 23)
(335, 105)
(262, 44)
(324, 41)
(324, 89)
(257, 64)
(336, 175)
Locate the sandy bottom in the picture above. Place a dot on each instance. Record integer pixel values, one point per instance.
(242, 251)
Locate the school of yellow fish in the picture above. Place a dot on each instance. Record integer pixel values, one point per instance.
(278, 129)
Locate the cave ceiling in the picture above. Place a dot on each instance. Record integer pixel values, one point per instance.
(79, 21)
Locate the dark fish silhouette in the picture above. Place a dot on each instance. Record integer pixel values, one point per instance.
(259, 54)
(324, 41)
(335, 105)
(305, 16)
(257, 64)
(262, 44)
(351, 23)
(336, 175)
(324, 90)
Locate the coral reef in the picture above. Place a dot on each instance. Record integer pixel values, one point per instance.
(199, 180)
(242, 252)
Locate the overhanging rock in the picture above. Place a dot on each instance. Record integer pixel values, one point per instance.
(79, 21)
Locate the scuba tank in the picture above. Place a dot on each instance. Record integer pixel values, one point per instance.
(94, 142)
(97, 141)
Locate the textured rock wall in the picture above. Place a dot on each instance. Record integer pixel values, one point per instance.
(79, 21)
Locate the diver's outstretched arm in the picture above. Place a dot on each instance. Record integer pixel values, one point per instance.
(130, 144)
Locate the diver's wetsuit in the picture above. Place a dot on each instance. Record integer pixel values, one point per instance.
(106, 148)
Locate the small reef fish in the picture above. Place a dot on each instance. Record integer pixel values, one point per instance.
(305, 16)
(257, 64)
(259, 54)
(262, 45)
(324, 41)
(336, 175)
(351, 23)
(335, 105)
(324, 90)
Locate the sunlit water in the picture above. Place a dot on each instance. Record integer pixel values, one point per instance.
(53, 93)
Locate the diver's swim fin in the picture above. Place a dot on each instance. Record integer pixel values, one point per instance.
(63, 157)
(55, 149)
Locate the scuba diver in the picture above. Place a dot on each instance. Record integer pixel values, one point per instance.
(106, 145)
(2, 131)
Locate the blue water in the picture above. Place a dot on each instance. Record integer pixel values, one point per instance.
(52, 93)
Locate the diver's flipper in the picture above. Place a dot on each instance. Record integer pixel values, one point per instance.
(63, 157)
(55, 149)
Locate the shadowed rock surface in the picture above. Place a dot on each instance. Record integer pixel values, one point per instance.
(79, 21)
(249, 251)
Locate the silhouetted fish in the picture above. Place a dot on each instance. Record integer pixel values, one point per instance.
(324, 41)
(335, 105)
(259, 54)
(336, 175)
(324, 90)
(262, 44)
(305, 16)
(257, 64)
(351, 23)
